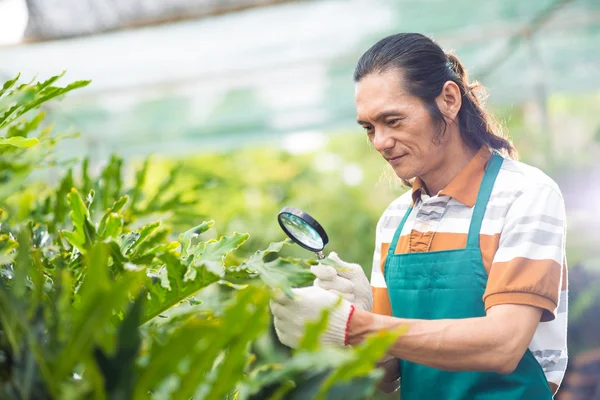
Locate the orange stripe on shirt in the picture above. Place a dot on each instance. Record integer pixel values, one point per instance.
(508, 282)
(447, 241)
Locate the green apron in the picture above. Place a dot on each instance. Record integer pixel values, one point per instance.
(450, 284)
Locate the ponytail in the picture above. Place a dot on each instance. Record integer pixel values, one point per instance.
(477, 127)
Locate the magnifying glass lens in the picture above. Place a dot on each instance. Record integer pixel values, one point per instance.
(302, 231)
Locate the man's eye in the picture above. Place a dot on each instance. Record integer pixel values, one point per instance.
(368, 129)
(393, 122)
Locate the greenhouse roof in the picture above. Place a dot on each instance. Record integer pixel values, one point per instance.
(288, 68)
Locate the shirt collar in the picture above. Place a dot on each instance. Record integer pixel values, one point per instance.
(465, 186)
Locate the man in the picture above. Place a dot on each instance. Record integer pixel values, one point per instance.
(472, 260)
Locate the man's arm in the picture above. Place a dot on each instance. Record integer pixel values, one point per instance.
(495, 342)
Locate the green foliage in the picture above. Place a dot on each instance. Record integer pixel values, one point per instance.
(24, 143)
(99, 298)
(245, 189)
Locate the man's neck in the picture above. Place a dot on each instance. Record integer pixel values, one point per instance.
(457, 157)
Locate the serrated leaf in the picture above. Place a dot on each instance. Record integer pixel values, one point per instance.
(30, 97)
(42, 85)
(9, 84)
(127, 240)
(112, 222)
(144, 233)
(111, 226)
(281, 273)
(164, 279)
(186, 238)
(50, 92)
(160, 298)
(84, 231)
(119, 259)
(212, 255)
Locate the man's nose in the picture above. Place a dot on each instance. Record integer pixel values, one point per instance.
(382, 142)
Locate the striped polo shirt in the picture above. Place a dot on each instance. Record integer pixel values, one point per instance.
(522, 241)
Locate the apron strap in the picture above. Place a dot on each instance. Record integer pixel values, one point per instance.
(485, 191)
(392, 248)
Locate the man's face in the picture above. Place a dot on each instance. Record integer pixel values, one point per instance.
(398, 125)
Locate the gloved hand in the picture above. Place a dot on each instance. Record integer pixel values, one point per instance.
(351, 283)
(292, 314)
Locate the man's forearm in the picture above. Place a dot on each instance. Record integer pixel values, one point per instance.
(470, 344)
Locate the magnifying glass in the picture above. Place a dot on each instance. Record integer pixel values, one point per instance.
(303, 229)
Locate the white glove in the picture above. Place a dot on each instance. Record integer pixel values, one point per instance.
(292, 314)
(351, 283)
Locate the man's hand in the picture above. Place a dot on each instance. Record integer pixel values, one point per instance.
(292, 314)
(350, 283)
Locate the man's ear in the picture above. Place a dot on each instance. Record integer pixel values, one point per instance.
(449, 100)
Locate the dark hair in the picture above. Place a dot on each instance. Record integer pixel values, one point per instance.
(425, 68)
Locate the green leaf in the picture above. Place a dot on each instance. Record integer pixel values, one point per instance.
(9, 84)
(364, 358)
(26, 98)
(61, 199)
(186, 238)
(161, 296)
(111, 224)
(111, 180)
(165, 187)
(144, 233)
(23, 264)
(201, 342)
(50, 92)
(96, 273)
(281, 273)
(7, 244)
(119, 369)
(92, 318)
(156, 243)
(140, 180)
(85, 177)
(25, 127)
(19, 141)
(84, 234)
(42, 85)
(212, 254)
(37, 279)
(127, 240)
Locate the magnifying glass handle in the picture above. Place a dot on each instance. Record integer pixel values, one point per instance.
(320, 255)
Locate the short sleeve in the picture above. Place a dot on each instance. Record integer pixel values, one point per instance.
(527, 267)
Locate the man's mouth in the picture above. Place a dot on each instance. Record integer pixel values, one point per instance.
(395, 159)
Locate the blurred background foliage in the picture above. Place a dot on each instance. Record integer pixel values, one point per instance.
(246, 106)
